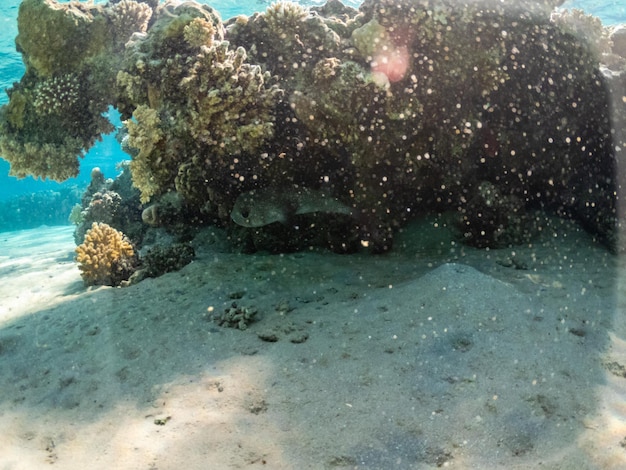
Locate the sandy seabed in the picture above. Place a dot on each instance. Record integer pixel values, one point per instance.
(434, 355)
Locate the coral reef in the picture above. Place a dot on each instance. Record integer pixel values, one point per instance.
(394, 109)
(198, 107)
(26, 211)
(106, 257)
(58, 110)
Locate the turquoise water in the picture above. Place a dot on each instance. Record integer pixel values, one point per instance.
(610, 11)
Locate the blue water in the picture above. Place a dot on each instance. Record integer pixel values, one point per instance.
(107, 153)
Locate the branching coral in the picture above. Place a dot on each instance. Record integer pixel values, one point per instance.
(197, 105)
(229, 101)
(199, 32)
(104, 206)
(106, 257)
(287, 17)
(128, 17)
(586, 27)
(113, 202)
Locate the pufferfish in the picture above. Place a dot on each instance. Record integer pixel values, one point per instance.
(262, 207)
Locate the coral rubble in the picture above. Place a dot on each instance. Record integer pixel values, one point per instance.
(236, 316)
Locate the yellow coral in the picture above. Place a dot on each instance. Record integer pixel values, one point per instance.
(106, 257)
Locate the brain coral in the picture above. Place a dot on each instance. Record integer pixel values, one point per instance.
(106, 257)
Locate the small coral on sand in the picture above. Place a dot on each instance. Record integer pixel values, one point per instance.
(106, 257)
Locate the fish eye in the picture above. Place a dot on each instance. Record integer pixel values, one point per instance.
(245, 212)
